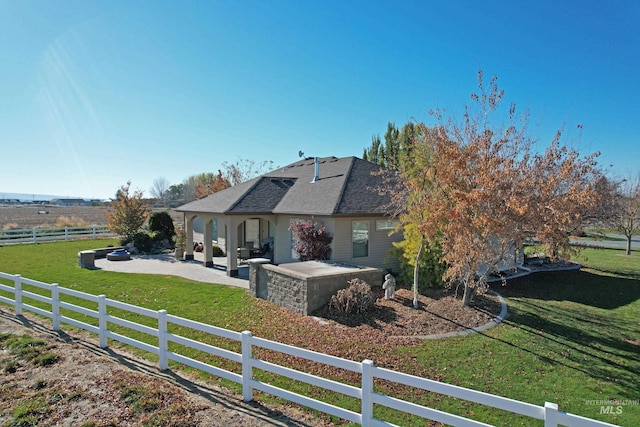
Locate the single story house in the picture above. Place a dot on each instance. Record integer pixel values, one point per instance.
(254, 217)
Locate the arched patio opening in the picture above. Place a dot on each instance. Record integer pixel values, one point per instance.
(240, 237)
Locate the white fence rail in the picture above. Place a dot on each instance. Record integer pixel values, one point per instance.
(35, 235)
(364, 392)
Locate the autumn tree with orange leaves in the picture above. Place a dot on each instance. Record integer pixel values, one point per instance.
(128, 213)
(209, 183)
(481, 192)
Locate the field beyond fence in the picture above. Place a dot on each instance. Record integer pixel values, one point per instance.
(45, 216)
(39, 235)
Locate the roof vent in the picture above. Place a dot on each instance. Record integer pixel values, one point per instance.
(317, 170)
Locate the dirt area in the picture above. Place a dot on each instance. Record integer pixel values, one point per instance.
(90, 386)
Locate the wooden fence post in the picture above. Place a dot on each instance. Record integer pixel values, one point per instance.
(247, 371)
(55, 307)
(35, 235)
(550, 414)
(366, 411)
(102, 320)
(162, 340)
(17, 286)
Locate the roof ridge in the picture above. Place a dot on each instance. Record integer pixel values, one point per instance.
(344, 185)
(257, 180)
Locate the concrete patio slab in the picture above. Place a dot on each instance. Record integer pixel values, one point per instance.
(166, 264)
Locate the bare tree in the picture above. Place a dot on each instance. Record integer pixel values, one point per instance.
(625, 216)
(244, 169)
(159, 190)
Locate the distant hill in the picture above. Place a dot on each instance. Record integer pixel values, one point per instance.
(33, 197)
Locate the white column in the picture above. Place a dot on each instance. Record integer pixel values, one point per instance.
(232, 247)
(208, 242)
(188, 230)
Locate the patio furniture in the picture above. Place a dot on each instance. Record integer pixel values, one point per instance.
(243, 254)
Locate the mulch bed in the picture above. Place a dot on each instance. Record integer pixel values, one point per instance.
(439, 312)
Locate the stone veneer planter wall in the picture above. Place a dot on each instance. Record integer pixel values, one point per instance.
(304, 287)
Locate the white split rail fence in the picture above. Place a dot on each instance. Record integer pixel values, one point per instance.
(549, 413)
(37, 235)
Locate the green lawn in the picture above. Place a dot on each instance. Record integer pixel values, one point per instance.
(570, 337)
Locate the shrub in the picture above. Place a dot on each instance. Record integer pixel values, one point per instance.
(161, 224)
(312, 241)
(180, 239)
(142, 241)
(431, 269)
(357, 298)
(217, 251)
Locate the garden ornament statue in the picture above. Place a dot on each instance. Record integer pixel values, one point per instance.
(389, 286)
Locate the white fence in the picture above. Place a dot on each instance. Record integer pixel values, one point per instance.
(35, 235)
(369, 372)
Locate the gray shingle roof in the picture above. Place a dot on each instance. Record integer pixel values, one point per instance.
(345, 186)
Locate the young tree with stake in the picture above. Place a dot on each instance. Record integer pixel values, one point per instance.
(481, 191)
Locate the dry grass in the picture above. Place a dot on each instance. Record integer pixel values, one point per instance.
(89, 386)
(14, 217)
(56, 216)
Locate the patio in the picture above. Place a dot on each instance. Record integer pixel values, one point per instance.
(166, 264)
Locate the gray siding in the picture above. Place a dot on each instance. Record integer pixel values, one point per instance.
(379, 244)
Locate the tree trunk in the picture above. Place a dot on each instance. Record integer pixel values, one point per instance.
(629, 244)
(416, 269)
(469, 293)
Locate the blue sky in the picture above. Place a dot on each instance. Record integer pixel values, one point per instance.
(96, 93)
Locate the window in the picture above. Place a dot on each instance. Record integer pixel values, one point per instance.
(294, 253)
(252, 232)
(386, 224)
(360, 238)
